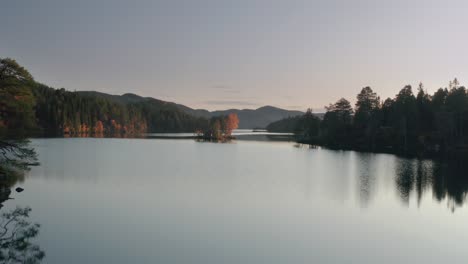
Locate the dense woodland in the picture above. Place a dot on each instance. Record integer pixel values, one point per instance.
(28, 107)
(408, 124)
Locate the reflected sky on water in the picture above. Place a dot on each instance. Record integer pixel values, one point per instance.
(181, 201)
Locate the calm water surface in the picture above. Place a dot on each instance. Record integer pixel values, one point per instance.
(181, 201)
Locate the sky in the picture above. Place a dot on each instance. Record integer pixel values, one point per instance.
(223, 54)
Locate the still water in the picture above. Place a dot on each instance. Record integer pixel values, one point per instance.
(182, 201)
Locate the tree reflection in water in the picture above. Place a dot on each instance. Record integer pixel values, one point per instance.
(16, 233)
(451, 181)
(447, 180)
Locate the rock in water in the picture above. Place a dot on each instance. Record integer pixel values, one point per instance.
(19, 189)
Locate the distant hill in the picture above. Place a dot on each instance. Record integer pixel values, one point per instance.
(128, 98)
(260, 117)
(249, 118)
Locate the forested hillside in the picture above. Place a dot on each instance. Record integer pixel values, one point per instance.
(29, 107)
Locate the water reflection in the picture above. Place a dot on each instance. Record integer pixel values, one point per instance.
(16, 231)
(446, 179)
(16, 235)
(6, 184)
(366, 177)
(405, 174)
(248, 197)
(451, 181)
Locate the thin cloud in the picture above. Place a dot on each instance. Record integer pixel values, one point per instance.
(221, 87)
(296, 107)
(226, 89)
(230, 102)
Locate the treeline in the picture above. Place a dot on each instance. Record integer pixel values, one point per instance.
(28, 107)
(63, 112)
(407, 124)
(288, 124)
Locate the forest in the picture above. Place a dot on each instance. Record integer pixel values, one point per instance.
(29, 108)
(407, 124)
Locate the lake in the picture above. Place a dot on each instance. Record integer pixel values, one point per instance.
(181, 201)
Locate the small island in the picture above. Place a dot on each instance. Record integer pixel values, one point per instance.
(220, 128)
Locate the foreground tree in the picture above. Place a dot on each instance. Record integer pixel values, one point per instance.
(10, 69)
(17, 118)
(16, 99)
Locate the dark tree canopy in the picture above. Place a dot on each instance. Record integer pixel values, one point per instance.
(337, 122)
(367, 103)
(16, 99)
(10, 69)
(308, 126)
(408, 123)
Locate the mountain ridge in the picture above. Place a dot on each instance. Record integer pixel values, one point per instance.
(249, 118)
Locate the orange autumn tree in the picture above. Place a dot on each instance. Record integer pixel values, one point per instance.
(220, 127)
(99, 127)
(231, 123)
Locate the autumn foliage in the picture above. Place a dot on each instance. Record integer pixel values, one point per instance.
(221, 127)
(231, 123)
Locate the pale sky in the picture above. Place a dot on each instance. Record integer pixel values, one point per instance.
(238, 54)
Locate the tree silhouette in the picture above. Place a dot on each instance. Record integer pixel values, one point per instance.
(366, 118)
(337, 124)
(406, 124)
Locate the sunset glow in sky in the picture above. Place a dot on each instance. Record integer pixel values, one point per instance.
(238, 54)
